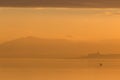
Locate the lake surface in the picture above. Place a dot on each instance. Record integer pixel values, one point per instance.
(59, 69)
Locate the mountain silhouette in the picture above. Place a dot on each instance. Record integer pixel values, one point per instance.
(33, 47)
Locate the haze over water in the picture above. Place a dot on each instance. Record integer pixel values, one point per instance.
(58, 40)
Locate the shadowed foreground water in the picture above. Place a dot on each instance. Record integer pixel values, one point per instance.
(59, 69)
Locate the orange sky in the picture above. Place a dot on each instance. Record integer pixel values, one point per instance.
(79, 24)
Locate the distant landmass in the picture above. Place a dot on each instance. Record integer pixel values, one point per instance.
(101, 56)
(33, 47)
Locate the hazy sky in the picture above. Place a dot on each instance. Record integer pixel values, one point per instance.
(70, 23)
(61, 3)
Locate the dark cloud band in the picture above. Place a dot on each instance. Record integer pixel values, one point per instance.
(61, 3)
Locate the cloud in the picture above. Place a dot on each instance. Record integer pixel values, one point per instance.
(112, 13)
(118, 13)
(61, 3)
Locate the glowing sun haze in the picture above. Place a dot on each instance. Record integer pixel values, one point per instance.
(87, 24)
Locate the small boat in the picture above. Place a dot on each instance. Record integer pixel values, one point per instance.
(100, 64)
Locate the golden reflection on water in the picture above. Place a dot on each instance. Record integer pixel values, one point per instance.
(58, 69)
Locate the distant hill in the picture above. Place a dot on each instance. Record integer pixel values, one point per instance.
(33, 47)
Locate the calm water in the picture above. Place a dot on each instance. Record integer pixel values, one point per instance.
(59, 69)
